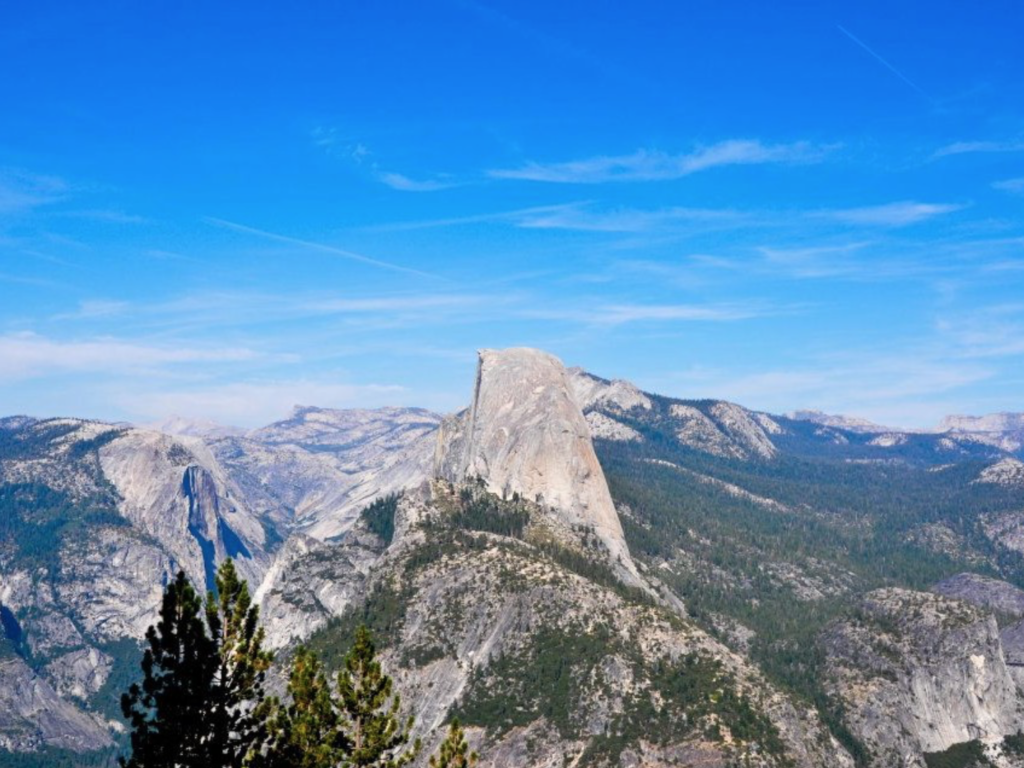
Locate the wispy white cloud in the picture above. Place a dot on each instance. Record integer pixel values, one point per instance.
(38, 282)
(268, 316)
(397, 303)
(338, 144)
(323, 247)
(1015, 186)
(585, 219)
(914, 388)
(404, 184)
(22, 191)
(620, 314)
(29, 355)
(95, 308)
(971, 147)
(110, 216)
(990, 332)
(653, 165)
(335, 142)
(514, 216)
(817, 261)
(587, 216)
(898, 214)
(583, 216)
(159, 254)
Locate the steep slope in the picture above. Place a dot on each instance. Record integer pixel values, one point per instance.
(525, 435)
(919, 673)
(499, 601)
(96, 518)
(767, 547)
(174, 490)
(315, 470)
(549, 658)
(715, 427)
(33, 715)
(985, 592)
(523, 580)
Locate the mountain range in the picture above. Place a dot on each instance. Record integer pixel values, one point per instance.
(583, 572)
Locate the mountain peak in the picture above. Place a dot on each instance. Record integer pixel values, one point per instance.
(525, 433)
(851, 423)
(182, 426)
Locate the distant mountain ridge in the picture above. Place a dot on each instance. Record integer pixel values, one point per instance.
(561, 519)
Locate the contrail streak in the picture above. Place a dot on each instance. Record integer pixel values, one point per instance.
(318, 247)
(885, 63)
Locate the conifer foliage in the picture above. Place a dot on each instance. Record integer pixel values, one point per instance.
(357, 726)
(166, 711)
(237, 720)
(374, 735)
(454, 750)
(201, 702)
(306, 732)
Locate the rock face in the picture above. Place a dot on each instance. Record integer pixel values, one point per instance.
(591, 391)
(525, 434)
(502, 585)
(725, 429)
(129, 507)
(541, 663)
(312, 582)
(33, 715)
(1007, 472)
(314, 471)
(173, 489)
(984, 592)
(917, 673)
(850, 424)
(1002, 430)
(181, 426)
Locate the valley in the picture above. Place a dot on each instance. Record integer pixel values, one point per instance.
(583, 572)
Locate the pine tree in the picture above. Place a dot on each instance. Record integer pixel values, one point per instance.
(201, 703)
(175, 695)
(454, 750)
(237, 720)
(372, 734)
(306, 733)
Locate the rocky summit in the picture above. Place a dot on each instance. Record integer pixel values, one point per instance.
(584, 573)
(525, 435)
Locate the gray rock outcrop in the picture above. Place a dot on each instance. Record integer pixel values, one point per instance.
(984, 592)
(33, 715)
(525, 434)
(918, 672)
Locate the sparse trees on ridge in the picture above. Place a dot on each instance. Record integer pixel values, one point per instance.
(454, 750)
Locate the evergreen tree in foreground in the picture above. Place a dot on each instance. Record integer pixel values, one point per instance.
(373, 735)
(165, 711)
(358, 726)
(201, 702)
(238, 718)
(306, 732)
(454, 750)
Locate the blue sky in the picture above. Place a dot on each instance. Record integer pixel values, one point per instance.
(224, 209)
